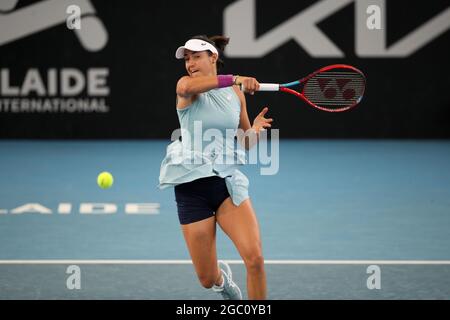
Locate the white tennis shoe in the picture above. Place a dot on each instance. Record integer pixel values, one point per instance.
(229, 290)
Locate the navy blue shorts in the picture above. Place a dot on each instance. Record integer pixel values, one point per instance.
(199, 199)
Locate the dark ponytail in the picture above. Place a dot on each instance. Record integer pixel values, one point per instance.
(220, 42)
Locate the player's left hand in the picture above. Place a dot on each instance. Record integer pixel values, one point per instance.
(260, 122)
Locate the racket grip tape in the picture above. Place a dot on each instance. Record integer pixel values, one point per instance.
(269, 87)
(264, 87)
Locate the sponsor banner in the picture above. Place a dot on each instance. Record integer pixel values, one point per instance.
(80, 69)
(89, 208)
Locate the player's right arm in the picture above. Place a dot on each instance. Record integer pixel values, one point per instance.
(189, 87)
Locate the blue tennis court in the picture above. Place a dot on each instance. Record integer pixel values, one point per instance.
(334, 208)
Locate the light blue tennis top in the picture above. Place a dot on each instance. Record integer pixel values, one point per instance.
(208, 148)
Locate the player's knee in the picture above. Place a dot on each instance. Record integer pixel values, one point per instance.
(255, 262)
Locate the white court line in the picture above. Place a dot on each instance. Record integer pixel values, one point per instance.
(275, 262)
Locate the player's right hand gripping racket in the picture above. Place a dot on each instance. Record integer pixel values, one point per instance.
(334, 88)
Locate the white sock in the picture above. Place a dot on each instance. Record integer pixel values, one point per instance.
(221, 286)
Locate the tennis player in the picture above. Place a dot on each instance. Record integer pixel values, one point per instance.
(211, 191)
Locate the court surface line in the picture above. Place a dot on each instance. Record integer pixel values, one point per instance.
(274, 262)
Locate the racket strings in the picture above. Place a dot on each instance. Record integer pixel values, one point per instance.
(335, 89)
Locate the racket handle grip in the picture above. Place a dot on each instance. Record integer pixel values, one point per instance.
(269, 87)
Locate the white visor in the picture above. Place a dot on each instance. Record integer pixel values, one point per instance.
(195, 45)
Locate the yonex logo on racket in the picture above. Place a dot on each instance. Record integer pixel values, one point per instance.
(335, 88)
(331, 88)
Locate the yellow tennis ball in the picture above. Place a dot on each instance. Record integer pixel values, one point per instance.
(105, 180)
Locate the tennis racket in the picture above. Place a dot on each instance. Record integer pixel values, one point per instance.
(334, 88)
